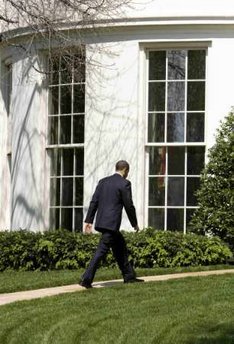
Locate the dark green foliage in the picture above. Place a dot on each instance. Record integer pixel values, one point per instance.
(216, 194)
(64, 250)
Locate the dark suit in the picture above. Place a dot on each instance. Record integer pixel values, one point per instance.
(111, 195)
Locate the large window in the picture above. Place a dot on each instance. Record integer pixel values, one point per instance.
(66, 142)
(175, 135)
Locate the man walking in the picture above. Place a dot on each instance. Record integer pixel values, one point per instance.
(111, 195)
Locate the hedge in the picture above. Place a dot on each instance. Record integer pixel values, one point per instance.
(25, 250)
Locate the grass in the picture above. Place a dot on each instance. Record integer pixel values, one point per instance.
(195, 310)
(11, 281)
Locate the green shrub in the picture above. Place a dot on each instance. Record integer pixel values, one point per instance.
(216, 193)
(64, 250)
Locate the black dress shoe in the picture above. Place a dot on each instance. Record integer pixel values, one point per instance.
(85, 284)
(135, 280)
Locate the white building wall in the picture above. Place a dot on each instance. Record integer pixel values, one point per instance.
(115, 105)
(29, 119)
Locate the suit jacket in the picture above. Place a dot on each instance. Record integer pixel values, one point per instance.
(111, 195)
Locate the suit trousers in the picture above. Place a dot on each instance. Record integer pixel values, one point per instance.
(110, 240)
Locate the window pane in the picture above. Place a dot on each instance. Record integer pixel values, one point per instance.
(55, 165)
(79, 72)
(176, 156)
(157, 65)
(195, 127)
(196, 96)
(176, 64)
(67, 191)
(79, 99)
(79, 161)
(54, 98)
(66, 99)
(53, 130)
(78, 219)
(66, 218)
(54, 70)
(54, 218)
(156, 125)
(157, 96)
(196, 64)
(79, 191)
(175, 219)
(66, 69)
(65, 129)
(78, 129)
(192, 187)
(189, 214)
(68, 162)
(157, 160)
(175, 194)
(55, 191)
(176, 96)
(156, 218)
(195, 160)
(175, 127)
(157, 191)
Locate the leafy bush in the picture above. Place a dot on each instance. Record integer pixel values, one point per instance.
(216, 193)
(64, 250)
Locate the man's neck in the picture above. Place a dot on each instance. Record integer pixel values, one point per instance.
(119, 172)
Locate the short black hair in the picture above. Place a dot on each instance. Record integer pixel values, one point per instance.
(121, 165)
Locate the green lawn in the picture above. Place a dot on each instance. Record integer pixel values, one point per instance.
(11, 281)
(189, 311)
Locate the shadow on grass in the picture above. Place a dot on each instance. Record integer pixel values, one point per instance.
(216, 334)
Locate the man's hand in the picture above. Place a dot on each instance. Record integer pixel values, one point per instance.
(88, 228)
(137, 228)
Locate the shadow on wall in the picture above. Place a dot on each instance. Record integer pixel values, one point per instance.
(27, 209)
(113, 133)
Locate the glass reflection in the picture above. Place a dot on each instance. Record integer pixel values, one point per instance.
(156, 126)
(192, 187)
(157, 65)
(67, 191)
(79, 191)
(156, 191)
(54, 97)
(157, 160)
(175, 127)
(156, 96)
(195, 160)
(78, 219)
(79, 99)
(176, 96)
(196, 64)
(68, 162)
(176, 160)
(53, 130)
(156, 218)
(66, 99)
(195, 127)
(176, 64)
(196, 96)
(79, 154)
(66, 218)
(78, 129)
(55, 165)
(54, 218)
(175, 219)
(175, 195)
(65, 129)
(55, 191)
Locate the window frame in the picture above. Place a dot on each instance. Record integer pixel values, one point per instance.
(168, 47)
(60, 147)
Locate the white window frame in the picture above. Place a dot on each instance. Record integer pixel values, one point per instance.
(144, 70)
